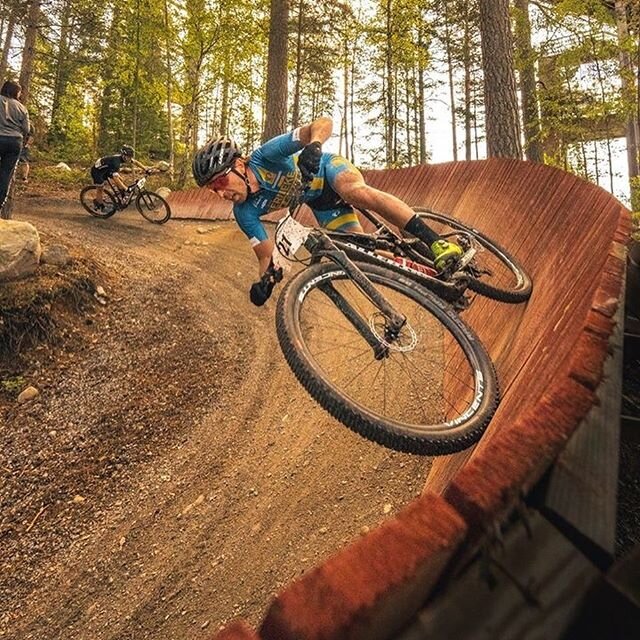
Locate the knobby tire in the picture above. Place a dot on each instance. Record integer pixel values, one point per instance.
(342, 375)
(87, 196)
(519, 287)
(153, 207)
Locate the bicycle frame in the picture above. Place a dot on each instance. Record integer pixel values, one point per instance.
(123, 201)
(382, 246)
(291, 235)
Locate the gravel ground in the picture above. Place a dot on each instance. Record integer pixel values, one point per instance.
(171, 475)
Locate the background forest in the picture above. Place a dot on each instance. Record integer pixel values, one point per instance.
(550, 81)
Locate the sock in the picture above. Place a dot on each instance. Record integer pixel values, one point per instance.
(416, 227)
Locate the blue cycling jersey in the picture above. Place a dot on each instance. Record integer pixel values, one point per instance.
(274, 165)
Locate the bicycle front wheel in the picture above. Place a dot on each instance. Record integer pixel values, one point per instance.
(434, 390)
(494, 273)
(153, 207)
(89, 202)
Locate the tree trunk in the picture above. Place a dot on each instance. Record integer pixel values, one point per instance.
(452, 95)
(501, 103)
(631, 94)
(528, 91)
(62, 71)
(345, 101)
(295, 111)
(422, 129)
(29, 51)
(389, 89)
(276, 102)
(11, 25)
(136, 78)
(224, 105)
(466, 56)
(169, 85)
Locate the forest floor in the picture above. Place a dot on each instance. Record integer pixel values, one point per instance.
(171, 475)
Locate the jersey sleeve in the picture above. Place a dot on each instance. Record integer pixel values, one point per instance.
(279, 147)
(248, 219)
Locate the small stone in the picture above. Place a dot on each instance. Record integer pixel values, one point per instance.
(28, 394)
(56, 254)
(79, 498)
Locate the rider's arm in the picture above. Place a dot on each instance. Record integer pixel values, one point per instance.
(138, 164)
(247, 217)
(318, 131)
(264, 253)
(289, 143)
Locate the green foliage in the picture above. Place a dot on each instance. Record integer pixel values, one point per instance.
(13, 385)
(123, 72)
(48, 177)
(635, 197)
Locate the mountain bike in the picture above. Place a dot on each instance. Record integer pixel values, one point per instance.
(485, 267)
(376, 349)
(149, 204)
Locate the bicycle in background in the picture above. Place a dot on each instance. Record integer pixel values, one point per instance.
(152, 206)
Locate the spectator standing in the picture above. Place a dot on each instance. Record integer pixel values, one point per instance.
(14, 128)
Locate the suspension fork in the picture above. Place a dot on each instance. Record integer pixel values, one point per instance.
(394, 319)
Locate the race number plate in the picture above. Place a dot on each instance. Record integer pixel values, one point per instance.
(290, 236)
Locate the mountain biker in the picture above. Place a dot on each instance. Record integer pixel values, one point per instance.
(108, 167)
(14, 130)
(262, 182)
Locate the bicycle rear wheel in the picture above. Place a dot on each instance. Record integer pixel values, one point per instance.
(153, 207)
(88, 197)
(494, 272)
(433, 393)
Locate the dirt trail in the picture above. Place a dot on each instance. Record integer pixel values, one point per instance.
(181, 474)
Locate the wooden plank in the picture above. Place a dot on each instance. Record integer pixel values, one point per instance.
(582, 488)
(612, 608)
(548, 580)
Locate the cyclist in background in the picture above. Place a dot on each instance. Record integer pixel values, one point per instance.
(262, 183)
(24, 159)
(108, 167)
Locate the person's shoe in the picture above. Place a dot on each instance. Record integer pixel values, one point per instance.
(98, 206)
(445, 253)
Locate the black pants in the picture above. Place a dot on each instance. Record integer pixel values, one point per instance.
(10, 147)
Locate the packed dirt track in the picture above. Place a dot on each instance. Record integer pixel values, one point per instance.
(172, 475)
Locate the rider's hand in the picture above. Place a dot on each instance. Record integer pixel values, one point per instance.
(309, 160)
(260, 291)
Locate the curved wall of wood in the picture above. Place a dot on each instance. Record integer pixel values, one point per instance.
(549, 354)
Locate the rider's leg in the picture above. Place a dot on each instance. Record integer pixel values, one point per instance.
(117, 180)
(24, 170)
(350, 185)
(98, 201)
(9, 152)
(338, 220)
(98, 180)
